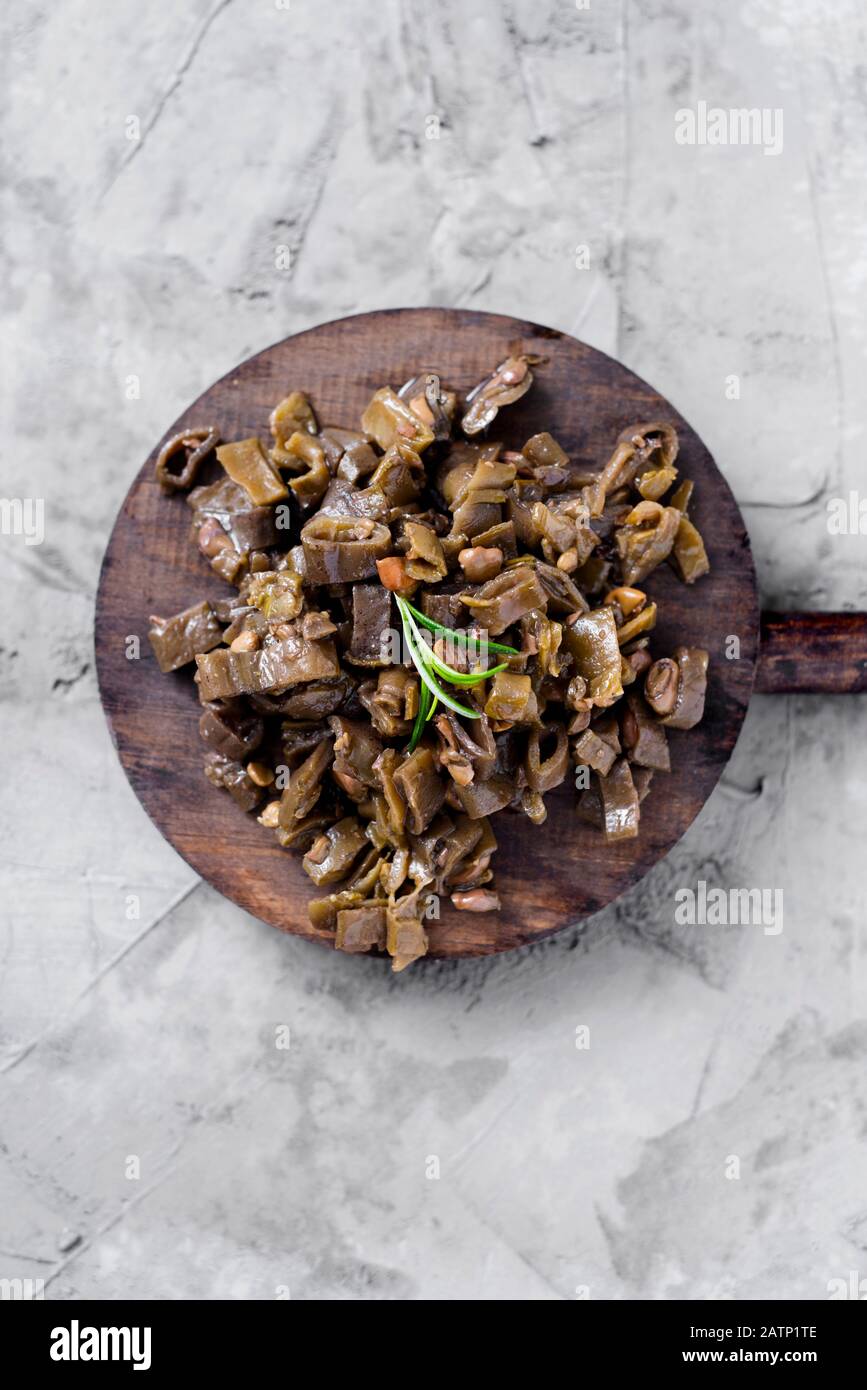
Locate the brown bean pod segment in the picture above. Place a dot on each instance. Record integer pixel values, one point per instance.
(191, 448)
(340, 549)
(546, 766)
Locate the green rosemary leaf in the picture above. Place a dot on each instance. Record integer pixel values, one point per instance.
(422, 716)
(465, 679)
(470, 638)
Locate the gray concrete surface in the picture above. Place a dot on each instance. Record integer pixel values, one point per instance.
(154, 1141)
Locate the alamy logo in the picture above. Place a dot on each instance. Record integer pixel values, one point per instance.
(854, 1287)
(715, 126)
(847, 516)
(23, 516)
(714, 907)
(76, 1343)
(21, 1290)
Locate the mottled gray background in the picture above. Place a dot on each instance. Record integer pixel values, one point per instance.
(305, 125)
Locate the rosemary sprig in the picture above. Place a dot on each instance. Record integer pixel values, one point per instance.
(429, 667)
(470, 638)
(419, 655)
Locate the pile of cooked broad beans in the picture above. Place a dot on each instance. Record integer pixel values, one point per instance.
(425, 631)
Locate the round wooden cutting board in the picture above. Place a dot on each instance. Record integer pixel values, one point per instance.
(547, 877)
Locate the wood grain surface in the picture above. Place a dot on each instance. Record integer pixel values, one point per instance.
(547, 877)
(812, 654)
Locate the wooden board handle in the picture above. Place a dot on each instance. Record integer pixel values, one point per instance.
(812, 654)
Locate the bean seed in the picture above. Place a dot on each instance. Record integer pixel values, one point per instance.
(480, 562)
(661, 686)
(476, 900)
